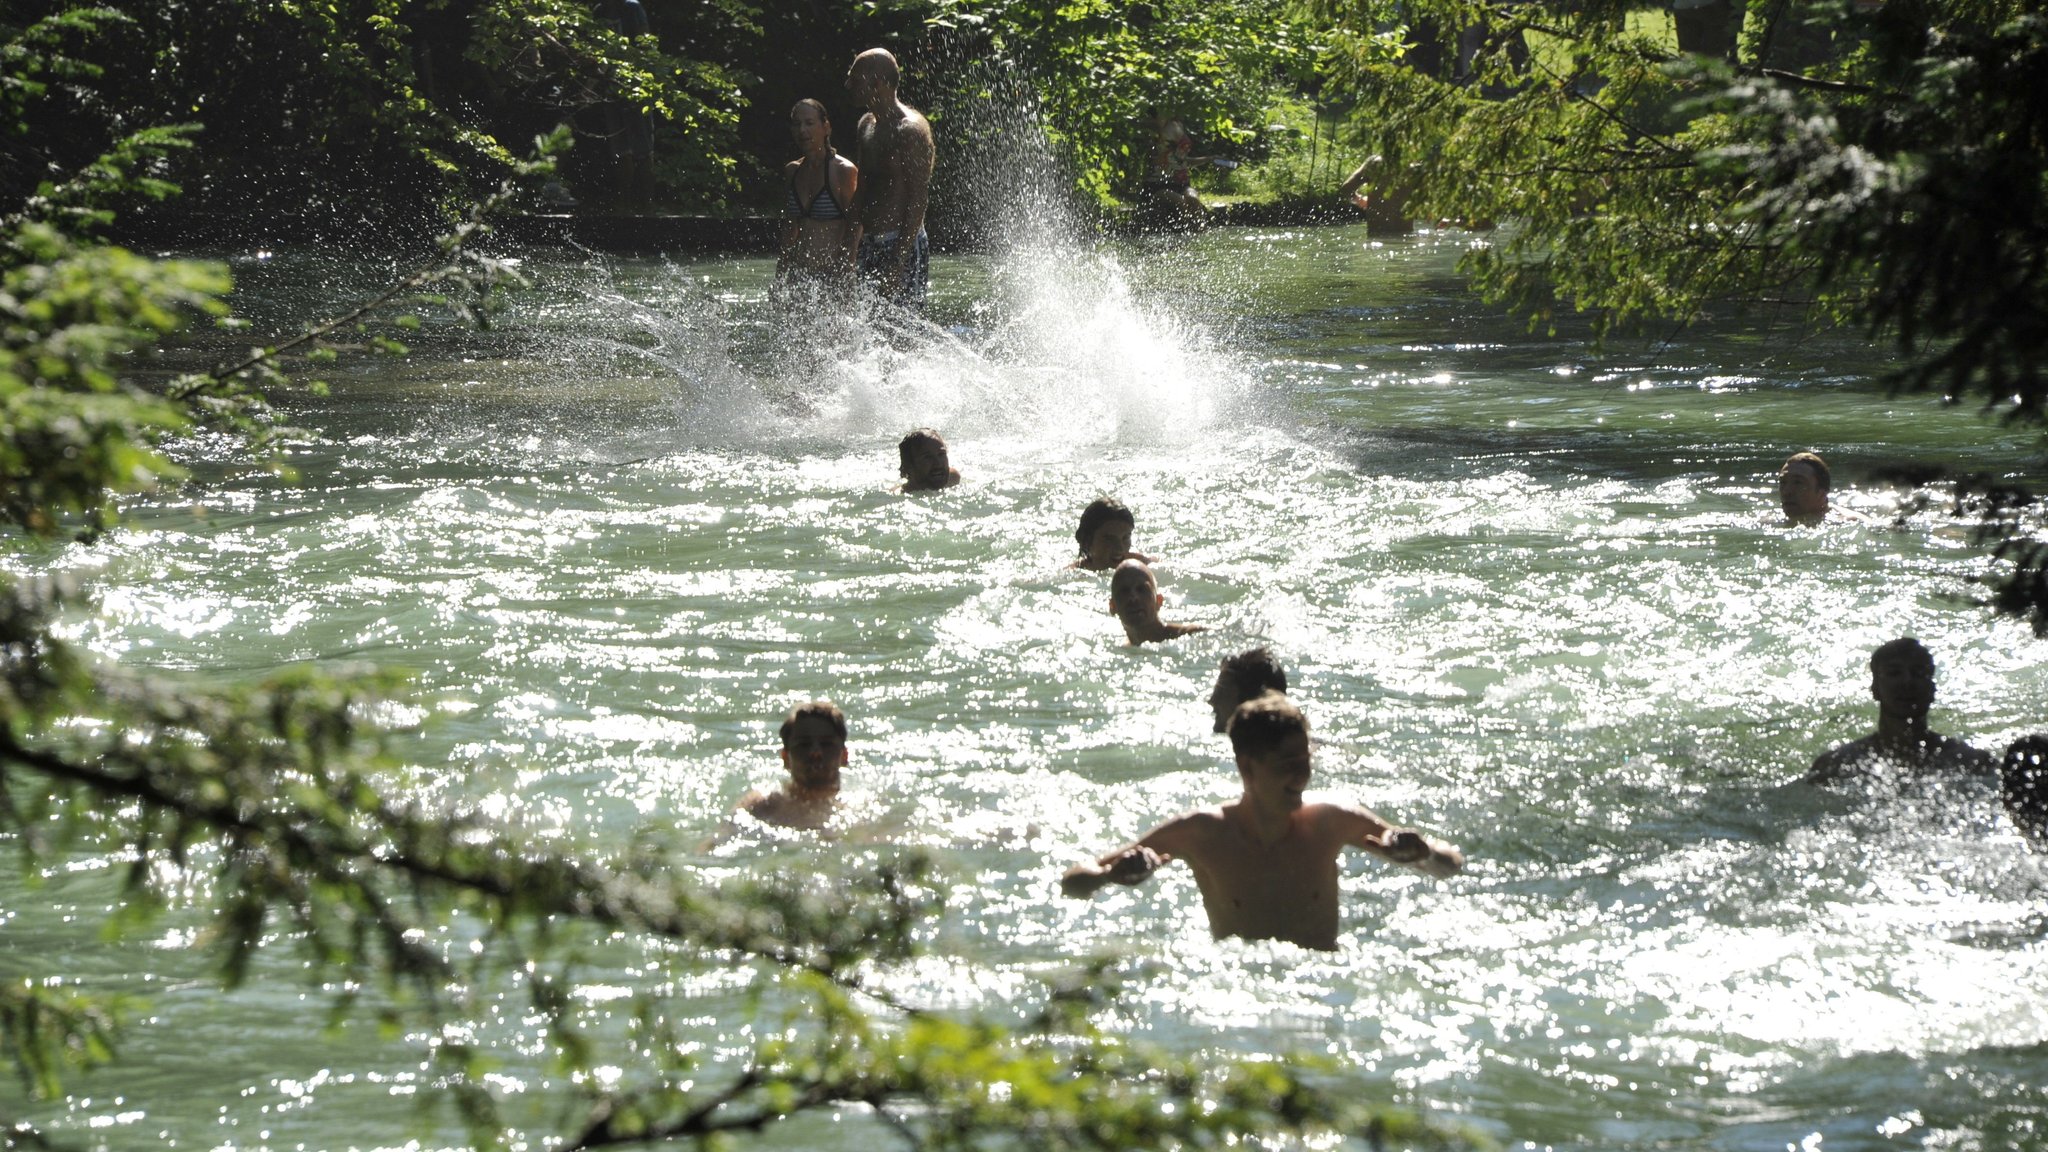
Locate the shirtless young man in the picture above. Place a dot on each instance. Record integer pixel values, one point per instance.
(1902, 680)
(922, 461)
(814, 750)
(1135, 600)
(1266, 863)
(895, 177)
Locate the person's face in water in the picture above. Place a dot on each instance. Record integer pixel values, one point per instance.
(1904, 684)
(926, 465)
(1133, 593)
(808, 129)
(1799, 491)
(1274, 778)
(1110, 544)
(814, 754)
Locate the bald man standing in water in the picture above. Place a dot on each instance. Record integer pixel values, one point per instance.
(1135, 600)
(896, 157)
(1266, 863)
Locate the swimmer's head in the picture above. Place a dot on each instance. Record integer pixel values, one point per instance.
(1902, 676)
(1246, 676)
(1803, 486)
(814, 745)
(1269, 736)
(1134, 592)
(874, 77)
(810, 125)
(2023, 784)
(922, 460)
(1105, 532)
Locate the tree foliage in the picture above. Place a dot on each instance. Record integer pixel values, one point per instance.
(1894, 180)
(357, 113)
(1100, 75)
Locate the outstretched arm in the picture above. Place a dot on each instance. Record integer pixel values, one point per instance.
(1132, 865)
(1135, 863)
(1430, 857)
(1403, 846)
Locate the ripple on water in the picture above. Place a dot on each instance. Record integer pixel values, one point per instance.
(1560, 634)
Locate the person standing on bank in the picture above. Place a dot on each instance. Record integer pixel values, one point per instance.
(895, 158)
(819, 229)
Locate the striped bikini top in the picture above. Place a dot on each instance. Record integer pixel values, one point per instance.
(823, 206)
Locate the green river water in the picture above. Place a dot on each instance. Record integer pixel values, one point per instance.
(1534, 597)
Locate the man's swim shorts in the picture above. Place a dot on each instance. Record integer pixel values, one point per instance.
(878, 260)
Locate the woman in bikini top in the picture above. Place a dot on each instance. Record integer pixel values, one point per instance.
(819, 230)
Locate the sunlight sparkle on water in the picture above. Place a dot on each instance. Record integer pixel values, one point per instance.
(1530, 603)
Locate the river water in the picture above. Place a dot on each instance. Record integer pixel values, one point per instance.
(1532, 595)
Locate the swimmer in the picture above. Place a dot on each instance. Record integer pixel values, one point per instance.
(923, 464)
(1105, 536)
(1246, 676)
(1266, 863)
(813, 750)
(1902, 681)
(1803, 485)
(2023, 785)
(1134, 599)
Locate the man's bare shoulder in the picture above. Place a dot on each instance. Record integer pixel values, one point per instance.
(1341, 822)
(1185, 831)
(1952, 755)
(1842, 760)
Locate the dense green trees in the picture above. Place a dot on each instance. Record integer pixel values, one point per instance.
(355, 114)
(1101, 74)
(1894, 181)
(359, 113)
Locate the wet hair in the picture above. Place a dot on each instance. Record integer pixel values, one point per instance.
(2023, 784)
(821, 708)
(1260, 724)
(1904, 648)
(1811, 459)
(1253, 673)
(918, 436)
(1106, 510)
